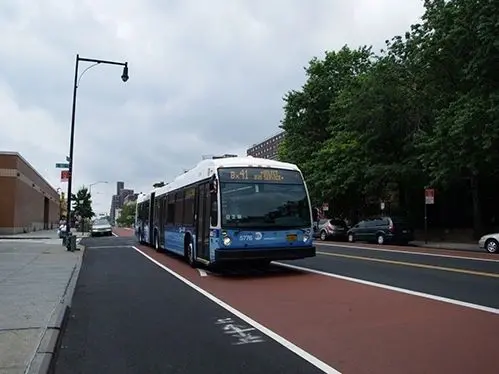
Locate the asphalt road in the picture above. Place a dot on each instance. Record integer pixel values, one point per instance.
(130, 316)
(473, 281)
(339, 321)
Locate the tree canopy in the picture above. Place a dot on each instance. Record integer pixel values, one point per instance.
(82, 203)
(127, 216)
(424, 111)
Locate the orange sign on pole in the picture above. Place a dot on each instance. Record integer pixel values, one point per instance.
(64, 175)
(429, 195)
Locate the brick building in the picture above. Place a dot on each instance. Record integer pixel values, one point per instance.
(267, 148)
(27, 201)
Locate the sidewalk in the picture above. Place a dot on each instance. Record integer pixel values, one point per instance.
(43, 234)
(37, 279)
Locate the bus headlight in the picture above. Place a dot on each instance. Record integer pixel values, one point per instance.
(305, 238)
(227, 241)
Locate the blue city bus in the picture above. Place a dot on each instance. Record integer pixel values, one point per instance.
(227, 210)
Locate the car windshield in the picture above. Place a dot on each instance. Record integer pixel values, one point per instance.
(100, 222)
(264, 205)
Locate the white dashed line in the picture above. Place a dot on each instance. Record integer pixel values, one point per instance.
(396, 289)
(410, 252)
(202, 272)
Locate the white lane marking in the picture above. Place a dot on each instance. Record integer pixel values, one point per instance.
(396, 289)
(110, 246)
(202, 272)
(279, 339)
(409, 252)
(114, 234)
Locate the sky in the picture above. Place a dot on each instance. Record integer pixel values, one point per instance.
(206, 78)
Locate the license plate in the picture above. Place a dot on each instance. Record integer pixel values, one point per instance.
(404, 231)
(291, 237)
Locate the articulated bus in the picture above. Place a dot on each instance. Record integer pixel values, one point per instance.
(230, 209)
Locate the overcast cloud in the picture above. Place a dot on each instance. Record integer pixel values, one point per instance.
(206, 77)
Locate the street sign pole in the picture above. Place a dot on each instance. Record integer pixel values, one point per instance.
(425, 223)
(429, 199)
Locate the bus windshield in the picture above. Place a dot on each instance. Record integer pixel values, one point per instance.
(250, 203)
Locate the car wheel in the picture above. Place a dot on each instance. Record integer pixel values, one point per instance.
(323, 235)
(380, 239)
(491, 246)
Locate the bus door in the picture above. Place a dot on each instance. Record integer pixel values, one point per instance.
(150, 218)
(203, 221)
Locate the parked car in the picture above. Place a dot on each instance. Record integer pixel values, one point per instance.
(335, 229)
(382, 230)
(490, 243)
(101, 227)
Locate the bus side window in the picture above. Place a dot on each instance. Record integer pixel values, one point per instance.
(189, 207)
(170, 211)
(179, 208)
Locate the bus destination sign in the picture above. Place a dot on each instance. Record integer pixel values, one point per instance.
(266, 175)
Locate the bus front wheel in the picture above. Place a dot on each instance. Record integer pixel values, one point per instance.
(156, 241)
(189, 254)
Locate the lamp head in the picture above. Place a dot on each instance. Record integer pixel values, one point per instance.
(124, 76)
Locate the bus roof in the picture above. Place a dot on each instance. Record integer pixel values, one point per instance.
(206, 168)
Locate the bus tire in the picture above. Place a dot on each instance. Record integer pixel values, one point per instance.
(156, 241)
(189, 251)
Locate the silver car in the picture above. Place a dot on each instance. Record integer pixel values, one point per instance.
(490, 243)
(101, 227)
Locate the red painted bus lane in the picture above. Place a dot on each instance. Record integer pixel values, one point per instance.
(358, 328)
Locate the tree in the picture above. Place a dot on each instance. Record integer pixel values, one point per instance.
(307, 119)
(127, 217)
(82, 204)
(462, 56)
(425, 111)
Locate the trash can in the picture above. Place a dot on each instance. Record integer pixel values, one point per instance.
(71, 243)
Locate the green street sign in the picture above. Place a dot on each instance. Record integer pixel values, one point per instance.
(62, 166)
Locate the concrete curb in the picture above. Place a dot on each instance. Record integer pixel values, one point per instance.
(43, 360)
(26, 238)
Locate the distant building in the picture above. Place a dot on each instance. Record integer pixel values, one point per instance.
(267, 148)
(118, 200)
(130, 199)
(117, 214)
(119, 186)
(27, 201)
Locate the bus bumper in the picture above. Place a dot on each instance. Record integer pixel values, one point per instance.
(273, 254)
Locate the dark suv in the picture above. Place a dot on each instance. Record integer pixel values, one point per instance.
(382, 230)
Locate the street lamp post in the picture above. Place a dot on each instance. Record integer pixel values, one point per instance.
(93, 184)
(124, 78)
